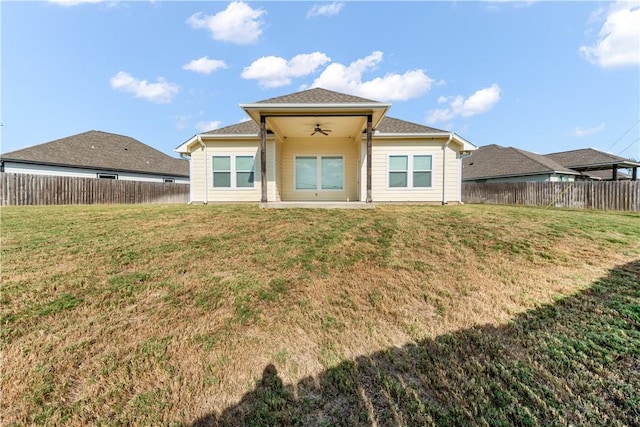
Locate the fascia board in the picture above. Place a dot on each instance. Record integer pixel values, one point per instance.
(466, 145)
(521, 174)
(377, 109)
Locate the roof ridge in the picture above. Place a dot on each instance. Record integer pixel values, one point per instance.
(546, 162)
(305, 93)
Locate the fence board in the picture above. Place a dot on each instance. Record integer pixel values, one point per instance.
(605, 195)
(25, 189)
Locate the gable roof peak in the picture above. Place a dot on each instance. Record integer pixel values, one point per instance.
(317, 95)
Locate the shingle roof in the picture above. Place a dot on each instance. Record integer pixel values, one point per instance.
(316, 96)
(101, 150)
(586, 157)
(387, 125)
(493, 161)
(248, 127)
(392, 125)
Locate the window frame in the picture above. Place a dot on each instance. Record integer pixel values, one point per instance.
(410, 171)
(233, 172)
(319, 183)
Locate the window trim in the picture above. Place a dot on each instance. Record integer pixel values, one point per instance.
(233, 172)
(410, 171)
(319, 188)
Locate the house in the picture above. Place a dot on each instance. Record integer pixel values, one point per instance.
(596, 163)
(320, 145)
(96, 154)
(495, 164)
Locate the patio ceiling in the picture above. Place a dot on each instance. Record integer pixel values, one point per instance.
(347, 127)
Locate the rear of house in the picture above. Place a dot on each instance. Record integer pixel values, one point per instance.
(319, 145)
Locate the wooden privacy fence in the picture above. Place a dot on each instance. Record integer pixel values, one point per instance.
(609, 195)
(22, 189)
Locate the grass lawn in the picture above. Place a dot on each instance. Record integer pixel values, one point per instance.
(402, 315)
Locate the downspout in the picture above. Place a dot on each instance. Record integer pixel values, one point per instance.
(206, 176)
(444, 170)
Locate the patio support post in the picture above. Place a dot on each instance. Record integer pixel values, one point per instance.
(369, 137)
(263, 158)
(634, 174)
(614, 171)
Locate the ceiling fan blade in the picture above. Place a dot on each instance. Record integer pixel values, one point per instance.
(324, 132)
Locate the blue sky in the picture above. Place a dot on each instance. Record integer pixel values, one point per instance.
(541, 76)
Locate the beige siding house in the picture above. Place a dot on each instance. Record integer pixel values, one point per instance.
(320, 145)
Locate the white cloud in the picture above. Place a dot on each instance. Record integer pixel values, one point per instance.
(390, 87)
(160, 92)
(480, 102)
(205, 126)
(274, 71)
(73, 2)
(204, 65)
(325, 9)
(238, 23)
(619, 38)
(579, 132)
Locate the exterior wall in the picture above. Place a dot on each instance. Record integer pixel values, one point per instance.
(202, 174)
(528, 178)
(447, 189)
(12, 167)
(318, 146)
(278, 158)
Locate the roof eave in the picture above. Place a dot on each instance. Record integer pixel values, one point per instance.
(108, 169)
(517, 175)
(623, 164)
(377, 109)
(466, 145)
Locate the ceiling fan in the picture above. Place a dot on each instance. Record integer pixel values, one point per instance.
(318, 129)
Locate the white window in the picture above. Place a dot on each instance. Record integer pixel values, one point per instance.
(319, 173)
(410, 171)
(232, 171)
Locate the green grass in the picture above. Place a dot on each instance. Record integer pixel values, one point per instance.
(401, 315)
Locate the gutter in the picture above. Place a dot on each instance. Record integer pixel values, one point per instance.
(444, 169)
(206, 176)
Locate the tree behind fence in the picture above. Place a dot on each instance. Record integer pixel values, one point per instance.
(23, 189)
(609, 195)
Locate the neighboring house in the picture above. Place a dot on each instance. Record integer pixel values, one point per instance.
(596, 163)
(606, 175)
(320, 145)
(495, 164)
(96, 154)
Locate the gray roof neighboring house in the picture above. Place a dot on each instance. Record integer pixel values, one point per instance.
(590, 159)
(606, 175)
(494, 161)
(101, 150)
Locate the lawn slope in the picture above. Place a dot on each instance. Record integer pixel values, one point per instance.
(150, 315)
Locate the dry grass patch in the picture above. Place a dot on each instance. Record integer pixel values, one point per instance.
(165, 314)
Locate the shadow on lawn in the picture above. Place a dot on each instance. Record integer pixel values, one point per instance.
(573, 362)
